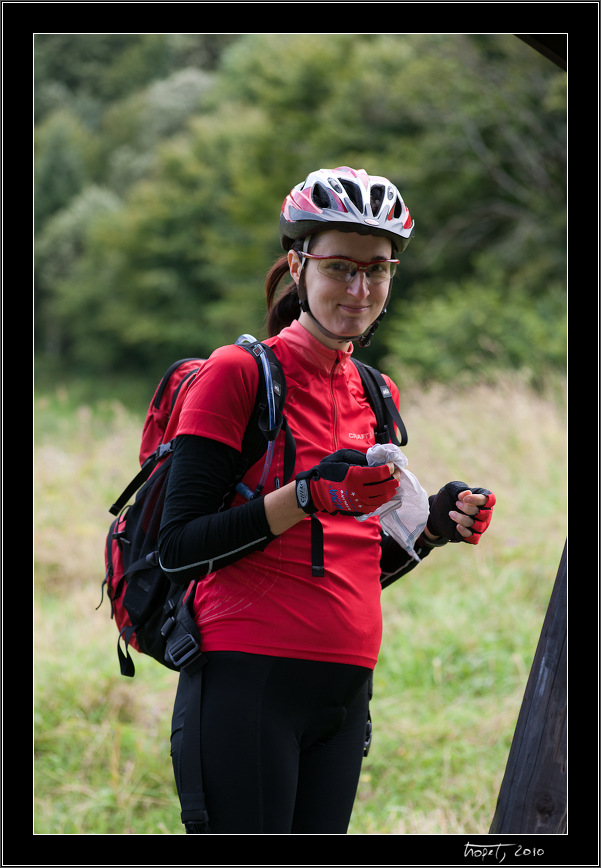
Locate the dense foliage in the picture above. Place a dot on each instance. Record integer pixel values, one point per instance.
(162, 161)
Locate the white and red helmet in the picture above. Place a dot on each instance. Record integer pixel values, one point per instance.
(345, 199)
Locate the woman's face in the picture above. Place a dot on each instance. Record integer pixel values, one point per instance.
(342, 308)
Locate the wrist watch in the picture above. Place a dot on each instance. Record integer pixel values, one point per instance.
(303, 494)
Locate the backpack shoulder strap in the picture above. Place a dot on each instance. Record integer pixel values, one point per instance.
(381, 400)
(271, 394)
(268, 416)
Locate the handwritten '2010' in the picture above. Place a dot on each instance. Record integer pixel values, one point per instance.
(498, 851)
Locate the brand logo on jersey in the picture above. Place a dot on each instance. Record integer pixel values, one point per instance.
(354, 436)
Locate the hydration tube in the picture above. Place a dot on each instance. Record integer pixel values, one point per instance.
(243, 489)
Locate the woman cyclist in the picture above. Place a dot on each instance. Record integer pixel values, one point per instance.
(290, 649)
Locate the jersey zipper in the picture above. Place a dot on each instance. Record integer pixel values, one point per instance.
(334, 404)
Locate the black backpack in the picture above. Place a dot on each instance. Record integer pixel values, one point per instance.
(150, 611)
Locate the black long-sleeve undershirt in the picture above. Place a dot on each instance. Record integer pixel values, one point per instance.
(197, 536)
(395, 562)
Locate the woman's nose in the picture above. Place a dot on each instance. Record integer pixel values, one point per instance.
(358, 285)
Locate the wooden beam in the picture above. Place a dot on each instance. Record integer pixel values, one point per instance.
(533, 794)
(553, 46)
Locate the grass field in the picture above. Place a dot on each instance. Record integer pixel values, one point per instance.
(460, 631)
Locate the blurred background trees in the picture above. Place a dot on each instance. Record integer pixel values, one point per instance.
(161, 162)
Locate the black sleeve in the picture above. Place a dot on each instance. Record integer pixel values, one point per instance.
(395, 562)
(197, 535)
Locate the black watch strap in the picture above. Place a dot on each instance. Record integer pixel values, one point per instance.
(303, 493)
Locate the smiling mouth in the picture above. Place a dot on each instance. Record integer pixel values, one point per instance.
(354, 309)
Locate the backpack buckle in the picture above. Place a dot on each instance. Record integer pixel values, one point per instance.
(162, 450)
(368, 735)
(182, 650)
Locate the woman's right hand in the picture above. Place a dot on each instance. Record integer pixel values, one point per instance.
(343, 484)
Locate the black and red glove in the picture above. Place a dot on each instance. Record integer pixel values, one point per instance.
(442, 525)
(342, 483)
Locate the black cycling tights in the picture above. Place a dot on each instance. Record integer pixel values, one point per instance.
(281, 742)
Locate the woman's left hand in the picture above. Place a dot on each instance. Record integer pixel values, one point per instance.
(459, 513)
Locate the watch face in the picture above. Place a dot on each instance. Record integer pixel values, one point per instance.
(302, 492)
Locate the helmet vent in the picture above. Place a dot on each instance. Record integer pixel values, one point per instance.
(321, 196)
(377, 197)
(354, 194)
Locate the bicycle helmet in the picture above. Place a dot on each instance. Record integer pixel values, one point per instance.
(347, 200)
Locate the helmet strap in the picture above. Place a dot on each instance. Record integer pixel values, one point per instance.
(364, 338)
(304, 305)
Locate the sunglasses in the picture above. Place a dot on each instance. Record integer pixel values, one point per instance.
(343, 269)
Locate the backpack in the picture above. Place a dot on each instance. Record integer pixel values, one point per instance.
(151, 612)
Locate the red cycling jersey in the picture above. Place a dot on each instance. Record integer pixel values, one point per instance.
(269, 602)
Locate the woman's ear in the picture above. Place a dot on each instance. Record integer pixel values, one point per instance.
(295, 265)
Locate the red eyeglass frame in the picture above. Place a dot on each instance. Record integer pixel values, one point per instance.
(361, 266)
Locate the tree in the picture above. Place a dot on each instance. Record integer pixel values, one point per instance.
(202, 163)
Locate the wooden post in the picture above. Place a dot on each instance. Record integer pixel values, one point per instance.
(533, 794)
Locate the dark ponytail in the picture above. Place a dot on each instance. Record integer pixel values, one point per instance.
(283, 307)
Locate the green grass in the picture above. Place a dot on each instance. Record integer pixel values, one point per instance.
(460, 630)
